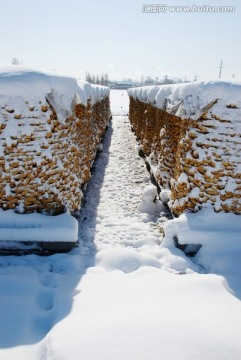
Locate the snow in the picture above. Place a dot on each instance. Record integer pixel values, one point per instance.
(150, 203)
(119, 102)
(182, 179)
(189, 100)
(61, 91)
(218, 233)
(22, 227)
(125, 294)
